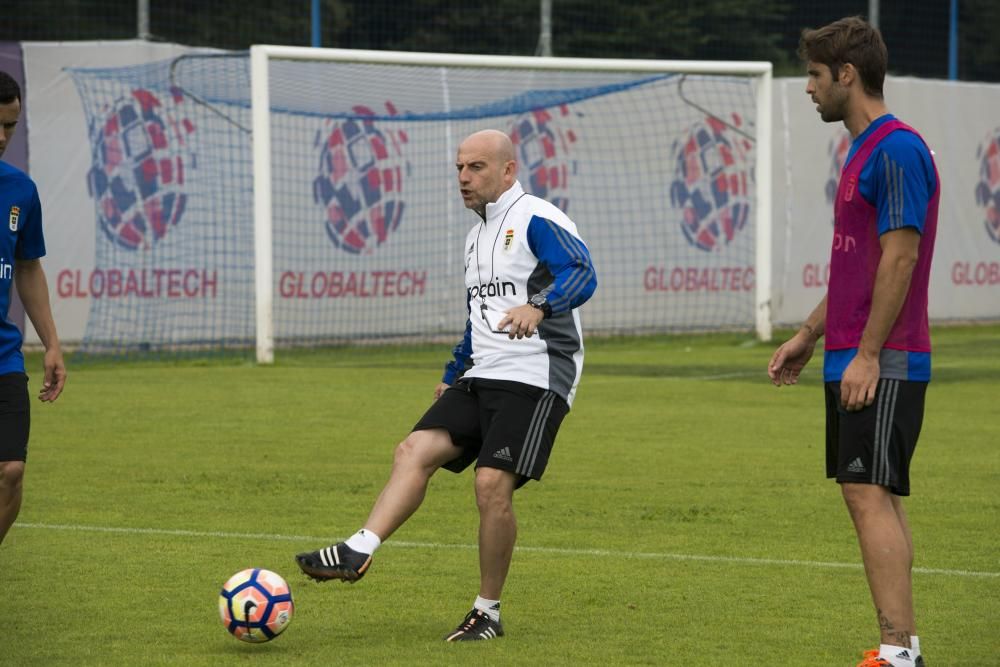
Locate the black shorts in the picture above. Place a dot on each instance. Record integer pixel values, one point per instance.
(875, 445)
(498, 424)
(15, 417)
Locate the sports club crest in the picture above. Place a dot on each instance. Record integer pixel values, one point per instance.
(852, 183)
(15, 213)
(508, 239)
(988, 187)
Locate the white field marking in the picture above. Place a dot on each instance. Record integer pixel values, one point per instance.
(697, 378)
(544, 550)
(728, 376)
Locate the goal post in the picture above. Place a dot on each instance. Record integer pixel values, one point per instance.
(621, 75)
(262, 224)
(762, 218)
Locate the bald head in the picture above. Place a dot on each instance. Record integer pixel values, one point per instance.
(486, 168)
(490, 142)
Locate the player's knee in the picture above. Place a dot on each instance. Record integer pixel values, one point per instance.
(494, 488)
(11, 477)
(421, 449)
(405, 451)
(865, 497)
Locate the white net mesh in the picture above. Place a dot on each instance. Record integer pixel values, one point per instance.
(656, 170)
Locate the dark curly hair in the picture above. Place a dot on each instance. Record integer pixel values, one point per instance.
(849, 40)
(9, 90)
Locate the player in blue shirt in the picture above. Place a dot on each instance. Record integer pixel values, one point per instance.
(21, 247)
(873, 317)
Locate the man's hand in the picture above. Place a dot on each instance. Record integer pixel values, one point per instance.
(55, 375)
(790, 358)
(858, 384)
(523, 321)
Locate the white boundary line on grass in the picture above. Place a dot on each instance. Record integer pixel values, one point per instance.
(544, 550)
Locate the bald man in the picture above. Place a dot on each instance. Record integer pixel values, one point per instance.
(510, 384)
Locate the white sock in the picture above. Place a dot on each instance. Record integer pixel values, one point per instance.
(489, 607)
(364, 541)
(898, 656)
(915, 645)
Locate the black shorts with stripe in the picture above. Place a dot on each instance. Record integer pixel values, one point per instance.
(875, 445)
(15, 417)
(498, 424)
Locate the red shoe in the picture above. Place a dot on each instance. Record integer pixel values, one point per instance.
(872, 660)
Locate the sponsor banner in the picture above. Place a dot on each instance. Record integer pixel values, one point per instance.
(809, 155)
(695, 279)
(61, 162)
(143, 284)
(352, 284)
(149, 206)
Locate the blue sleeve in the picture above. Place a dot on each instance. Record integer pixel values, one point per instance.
(901, 181)
(30, 240)
(567, 259)
(462, 354)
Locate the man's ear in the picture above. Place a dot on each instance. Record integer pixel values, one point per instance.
(847, 74)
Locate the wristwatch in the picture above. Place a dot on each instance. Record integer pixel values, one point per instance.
(541, 303)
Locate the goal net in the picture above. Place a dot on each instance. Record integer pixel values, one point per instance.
(310, 194)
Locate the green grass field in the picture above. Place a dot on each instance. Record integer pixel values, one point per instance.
(684, 518)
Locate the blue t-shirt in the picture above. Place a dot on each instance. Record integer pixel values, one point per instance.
(898, 180)
(20, 239)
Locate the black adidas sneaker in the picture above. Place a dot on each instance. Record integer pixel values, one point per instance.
(477, 625)
(337, 561)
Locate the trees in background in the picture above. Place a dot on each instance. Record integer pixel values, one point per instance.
(916, 31)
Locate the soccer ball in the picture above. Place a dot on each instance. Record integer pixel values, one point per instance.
(256, 605)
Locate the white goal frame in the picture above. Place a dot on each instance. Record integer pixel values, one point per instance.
(261, 54)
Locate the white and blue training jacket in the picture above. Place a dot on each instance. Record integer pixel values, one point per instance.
(526, 246)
